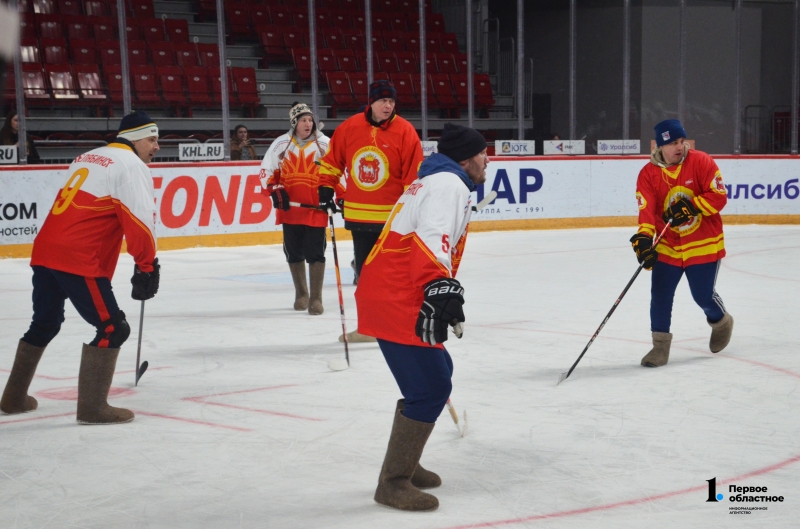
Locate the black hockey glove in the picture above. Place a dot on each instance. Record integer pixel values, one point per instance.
(145, 284)
(645, 253)
(326, 201)
(441, 307)
(280, 198)
(681, 212)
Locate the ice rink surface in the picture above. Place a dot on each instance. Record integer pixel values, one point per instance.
(239, 422)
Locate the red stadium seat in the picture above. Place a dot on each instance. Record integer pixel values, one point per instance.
(293, 38)
(460, 60)
(142, 8)
(407, 61)
(27, 26)
(84, 51)
(88, 78)
(299, 13)
(272, 40)
(387, 62)
(326, 61)
(133, 29)
(445, 63)
(50, 26)
(55, 51)
(29, 50)
(449, 43)
(346, 60)
(113, 80)
(412, 40)
(334, 39)
(209, 55)
(460, 88)
(95, 8)
(146, 90)
(34, 85)
(394, 42)
(445, 95)
(152, 29)
(341, 19)
(78, 27)
(259, 16)
(162, 53)
(302, 63)
(358, 81)
(45, 7)
(406, 95)
(177, 30)
(246, 88)
(197, 82)
(103, 28)
(280, 15)
(216, 87)
(170, 79)
(137, 53)
(484, 98)
(109, 53)
(381, 22)
(186, 54)
(340, 92)
(355, 39)
(325, 20)
(237, 16)
(62, 83)
(69, 7)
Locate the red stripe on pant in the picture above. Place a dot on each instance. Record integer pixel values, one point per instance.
(100, 306)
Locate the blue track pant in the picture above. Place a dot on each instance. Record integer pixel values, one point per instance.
(702, 280)
(423, 375)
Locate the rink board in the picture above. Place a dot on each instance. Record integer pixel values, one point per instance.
(220, 204)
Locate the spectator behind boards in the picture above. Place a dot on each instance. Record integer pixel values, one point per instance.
(240, 145)
(9, 135)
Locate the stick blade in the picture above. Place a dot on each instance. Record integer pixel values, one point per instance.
(563, 377)
(142, 369)
(339, 364)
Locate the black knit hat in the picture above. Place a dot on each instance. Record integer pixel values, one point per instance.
(137, 125)
(460, 143)
(382, 89)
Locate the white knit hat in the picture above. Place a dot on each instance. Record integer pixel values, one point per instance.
(297, 111)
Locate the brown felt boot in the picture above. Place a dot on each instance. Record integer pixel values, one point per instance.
(356, 337)
(94, 381)
(15, 397)
(721, 333)
(402, 457)
(422, 479)
(300, 285)
(316, 274)
(659, 354)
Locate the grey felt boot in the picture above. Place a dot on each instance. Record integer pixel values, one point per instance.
(721, 333)
(15, 397)
(422, 479)
(94, 382)
(300, 285)
(659, 354)
(357, 337)
(316, 273)
(402, 457)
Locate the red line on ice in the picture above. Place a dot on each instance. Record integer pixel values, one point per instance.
(223, 405)
(609, 506)
(242, 391)
(192, 421)
(39, 418)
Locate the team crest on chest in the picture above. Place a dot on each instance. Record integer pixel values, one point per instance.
(675, 194)
(370, 168)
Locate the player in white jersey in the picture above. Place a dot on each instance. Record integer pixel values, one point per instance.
(108, 194)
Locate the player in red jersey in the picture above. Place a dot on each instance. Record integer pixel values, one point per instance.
(407, 297)
(686, 186)
(378, 153)
(108, 194)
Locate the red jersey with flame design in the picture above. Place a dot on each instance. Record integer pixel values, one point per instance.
(697, 179)
(294, 167)
(378, 163)
(423, 240)
(108, 194)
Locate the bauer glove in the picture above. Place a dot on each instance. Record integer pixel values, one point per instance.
(326, 201)
(145, 284)
(681, 212)
(645, 253)
(280, 198)
(441, 307)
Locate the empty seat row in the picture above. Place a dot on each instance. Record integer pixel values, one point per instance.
(208, 8)
(102, 28)
(136, 8)
(349, 90)
(171, 86)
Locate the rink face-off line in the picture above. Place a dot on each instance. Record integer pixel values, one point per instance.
(240, 423)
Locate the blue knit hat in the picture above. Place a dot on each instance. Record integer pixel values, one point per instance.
(668, 131)
(136, 126)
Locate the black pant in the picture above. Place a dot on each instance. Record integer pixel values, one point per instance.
(91, 296)
(304, 243)
(363, 241)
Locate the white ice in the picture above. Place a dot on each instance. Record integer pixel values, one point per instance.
(241, 424)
